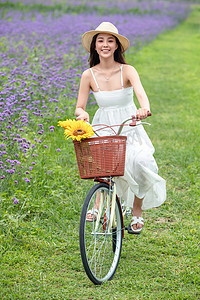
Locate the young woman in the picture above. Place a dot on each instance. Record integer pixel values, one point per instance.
(113, 82)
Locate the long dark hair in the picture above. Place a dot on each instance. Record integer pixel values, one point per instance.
(94, 56)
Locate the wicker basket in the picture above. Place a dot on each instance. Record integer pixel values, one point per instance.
(101, 156)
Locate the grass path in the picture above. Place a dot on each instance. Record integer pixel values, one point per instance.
(42, 261)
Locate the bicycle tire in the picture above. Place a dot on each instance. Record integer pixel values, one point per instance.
(100, 249)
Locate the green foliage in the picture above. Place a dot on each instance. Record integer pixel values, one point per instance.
(63, 7)
(39, 236)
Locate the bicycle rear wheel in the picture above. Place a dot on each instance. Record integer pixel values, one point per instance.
(100, 242)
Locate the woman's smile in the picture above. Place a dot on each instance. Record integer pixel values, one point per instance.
(106, 44)
(105, 50)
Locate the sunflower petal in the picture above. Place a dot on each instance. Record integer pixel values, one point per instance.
(74, 127)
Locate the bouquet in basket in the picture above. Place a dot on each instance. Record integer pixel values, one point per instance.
(97, 157)
(77, 130)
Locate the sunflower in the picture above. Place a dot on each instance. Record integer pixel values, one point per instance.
(77, 130)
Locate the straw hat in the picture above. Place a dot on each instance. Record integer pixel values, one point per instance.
(105, 27)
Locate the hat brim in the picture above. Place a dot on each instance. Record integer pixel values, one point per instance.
(88, 36)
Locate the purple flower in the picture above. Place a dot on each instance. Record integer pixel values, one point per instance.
(26, 179)
(26, 95)
(15, 201)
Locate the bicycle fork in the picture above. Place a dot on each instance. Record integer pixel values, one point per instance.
(112, 210)
(109, 213)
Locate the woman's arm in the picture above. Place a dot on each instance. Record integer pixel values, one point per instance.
(83, 94)
(134, 79)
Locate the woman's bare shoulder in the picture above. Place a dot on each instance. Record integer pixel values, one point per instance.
(130, 75)
(129, 68)
(86, 73)
(86, 77)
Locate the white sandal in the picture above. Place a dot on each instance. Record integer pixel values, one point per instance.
(134, 221)
(93, 213)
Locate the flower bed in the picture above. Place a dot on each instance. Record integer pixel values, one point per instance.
(41, 62)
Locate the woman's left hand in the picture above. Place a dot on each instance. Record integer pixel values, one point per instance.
(142, 113)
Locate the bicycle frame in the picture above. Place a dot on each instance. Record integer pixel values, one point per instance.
(111, 202)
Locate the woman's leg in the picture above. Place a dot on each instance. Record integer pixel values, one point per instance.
(137, 211)
(91, 213)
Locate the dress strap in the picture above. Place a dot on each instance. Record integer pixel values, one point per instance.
(122, 77)
(95, 79)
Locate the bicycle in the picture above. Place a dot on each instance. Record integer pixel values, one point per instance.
(100, 239)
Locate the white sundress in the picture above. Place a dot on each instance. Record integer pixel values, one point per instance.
(141, 172)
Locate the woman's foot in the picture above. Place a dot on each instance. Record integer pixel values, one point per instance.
(92, 215)
(136, 225)
(137, 221)
(137, 214)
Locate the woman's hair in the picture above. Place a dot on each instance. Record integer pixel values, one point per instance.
(94, 56)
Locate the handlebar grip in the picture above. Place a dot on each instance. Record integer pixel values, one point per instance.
(134, 119)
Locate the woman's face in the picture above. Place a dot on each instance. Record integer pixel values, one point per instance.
(105, 45)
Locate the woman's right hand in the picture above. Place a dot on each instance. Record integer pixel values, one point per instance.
(142, 113)
(83, 116)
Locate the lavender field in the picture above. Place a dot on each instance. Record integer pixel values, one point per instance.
(41, 62)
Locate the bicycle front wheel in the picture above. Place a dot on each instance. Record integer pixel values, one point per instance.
(100, 241)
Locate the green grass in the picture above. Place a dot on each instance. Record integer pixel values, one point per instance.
(40, 256)
(63, 7)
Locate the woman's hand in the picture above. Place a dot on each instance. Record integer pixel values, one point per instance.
(142, 113)
(83, 116)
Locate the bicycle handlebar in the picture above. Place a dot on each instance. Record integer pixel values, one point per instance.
(133, 123)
